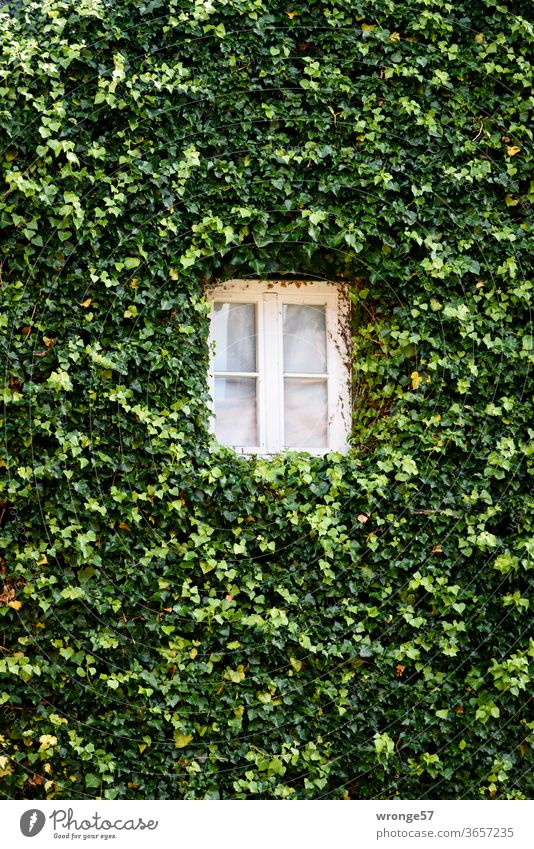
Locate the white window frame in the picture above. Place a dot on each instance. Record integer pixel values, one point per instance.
(269, 297)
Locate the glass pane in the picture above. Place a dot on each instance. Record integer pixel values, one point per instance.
(304, 338)
(305, 413)
(235, 411)
(235, 337)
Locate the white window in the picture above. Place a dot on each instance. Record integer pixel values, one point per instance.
(279, 376)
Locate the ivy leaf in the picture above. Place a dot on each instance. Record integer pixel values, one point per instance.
(416, 379)
(182, 740)
(60, 381)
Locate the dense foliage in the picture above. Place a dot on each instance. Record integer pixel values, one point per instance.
(178, 622)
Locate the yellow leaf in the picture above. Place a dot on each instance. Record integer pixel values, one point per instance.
(368, 27)
(182, 740)
(49, 343)
(395, 36)
(291, 15)
(86, 303)
(416, 380)
(511, 151)
(5, 766)
(43, 560)
(47, 741)
(479, 37)
(16, 605)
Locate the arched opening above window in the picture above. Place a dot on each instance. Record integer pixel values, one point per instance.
(280, 366)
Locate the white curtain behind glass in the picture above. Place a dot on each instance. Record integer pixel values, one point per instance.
(235, 337)
(304, 339)
(305, 398)
(235, 396)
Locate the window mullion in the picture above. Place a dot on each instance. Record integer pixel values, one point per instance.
(280, 372)
(261, 371)
(331, 388)
(271, 347)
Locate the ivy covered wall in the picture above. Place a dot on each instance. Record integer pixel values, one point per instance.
(177, 622)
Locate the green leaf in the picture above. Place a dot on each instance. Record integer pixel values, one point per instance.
(60, 381)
